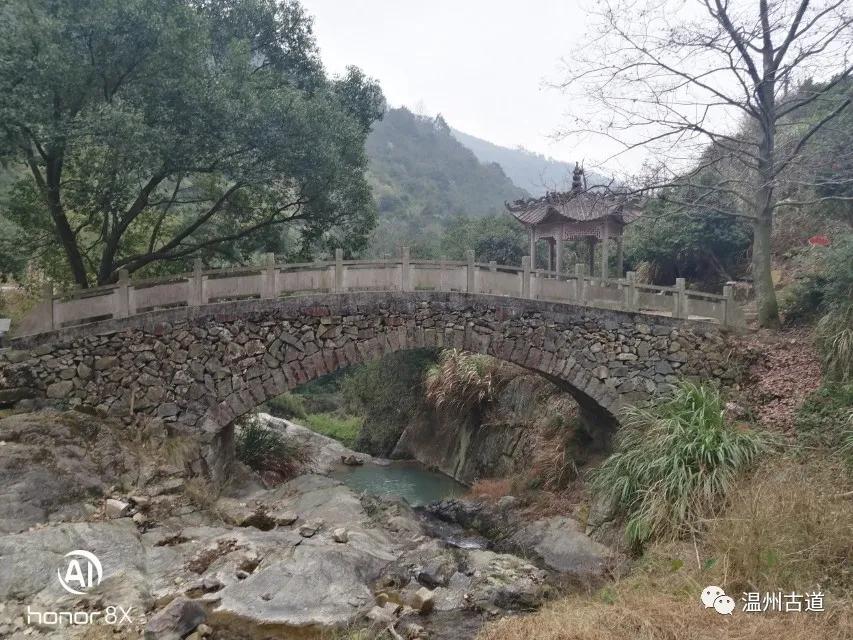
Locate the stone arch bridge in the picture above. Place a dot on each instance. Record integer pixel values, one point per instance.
(204, 363)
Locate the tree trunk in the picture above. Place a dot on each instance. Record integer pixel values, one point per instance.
(63, 228)
(765, 294)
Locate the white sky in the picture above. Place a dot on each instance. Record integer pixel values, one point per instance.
(483, 64)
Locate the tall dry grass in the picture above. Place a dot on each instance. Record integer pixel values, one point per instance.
(646, 615)
(789, 527)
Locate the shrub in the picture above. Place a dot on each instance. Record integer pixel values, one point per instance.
(287, 405)
(675, 463)
(824, 419)
(834, 335)
(389, 394)
(827, 285)
(345, 429)
(265, 449)
(462, 381)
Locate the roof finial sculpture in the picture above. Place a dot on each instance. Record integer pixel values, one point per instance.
(578, 179)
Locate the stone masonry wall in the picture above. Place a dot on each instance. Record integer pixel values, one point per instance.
(202, 368)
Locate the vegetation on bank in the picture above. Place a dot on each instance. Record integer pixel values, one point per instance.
(674, 465)
(265, 450)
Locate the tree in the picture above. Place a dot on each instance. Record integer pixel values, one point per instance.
(716, 87)
(155, 130)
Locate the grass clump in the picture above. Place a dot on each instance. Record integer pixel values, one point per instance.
(343, 428)
(674, 465)
(266, 450)
(462, 381)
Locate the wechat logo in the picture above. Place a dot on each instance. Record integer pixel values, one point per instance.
(715, 597)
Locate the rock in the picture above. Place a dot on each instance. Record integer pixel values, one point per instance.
(437, 571)
(180, 617)
(381, 615)
(563, 546)
(504, 581)
(352, 460)
(203, 630)
(283, 518)
(104, 363)
(9, 397)
(308, 529)
(116, 508)
(317, 587)
(59, 390)
(340, 535)
(422, 601)
(140, 519)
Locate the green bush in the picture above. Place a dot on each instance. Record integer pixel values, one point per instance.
(344, 428)
(389, 395)
(834, 335)
(675, 463)
(287, 405)
(264, 449)
(827, 285)
(825, 419)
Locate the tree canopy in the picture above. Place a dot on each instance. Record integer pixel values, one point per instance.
(144, 132)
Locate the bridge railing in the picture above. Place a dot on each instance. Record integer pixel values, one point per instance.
(271, 280)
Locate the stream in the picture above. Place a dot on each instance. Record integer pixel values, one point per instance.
(407, 479)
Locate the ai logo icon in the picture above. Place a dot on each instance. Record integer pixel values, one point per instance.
(82, 572)
(715, 597)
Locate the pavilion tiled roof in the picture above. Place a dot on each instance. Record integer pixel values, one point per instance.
(574, 206)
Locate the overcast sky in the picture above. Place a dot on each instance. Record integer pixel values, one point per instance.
(483, 64)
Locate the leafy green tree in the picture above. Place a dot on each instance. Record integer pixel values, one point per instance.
(156, 130)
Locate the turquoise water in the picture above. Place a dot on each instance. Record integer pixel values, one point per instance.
(409, 480)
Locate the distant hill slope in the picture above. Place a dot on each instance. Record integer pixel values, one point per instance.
(531, 171)
(423, 178)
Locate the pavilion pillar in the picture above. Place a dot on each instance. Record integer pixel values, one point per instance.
(531, 238)
(620, 257)
(590, 257)
(558, 252)
(605, 245)
(551, 252)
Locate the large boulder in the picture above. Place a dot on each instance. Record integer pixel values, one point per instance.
(561, 545)
(320, 586)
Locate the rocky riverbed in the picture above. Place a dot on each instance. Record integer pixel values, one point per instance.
(187, 560)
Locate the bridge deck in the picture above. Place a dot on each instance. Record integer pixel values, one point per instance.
(271, 280)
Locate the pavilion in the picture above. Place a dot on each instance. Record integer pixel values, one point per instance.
(594, 216)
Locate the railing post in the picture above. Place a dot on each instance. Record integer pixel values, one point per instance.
(49, 307)
(580, 275)
(679, 299)
(471, 286)
(268, 289)
(525, 276)
(405, 267)
(123, 295)
(728, 305)
(442, 274)
(197, 285)
(339, 270)
(629, 291)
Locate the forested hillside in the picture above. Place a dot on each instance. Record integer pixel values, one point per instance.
(424, 180)
(530, 171)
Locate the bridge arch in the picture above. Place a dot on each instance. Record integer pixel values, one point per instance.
(202, 367)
